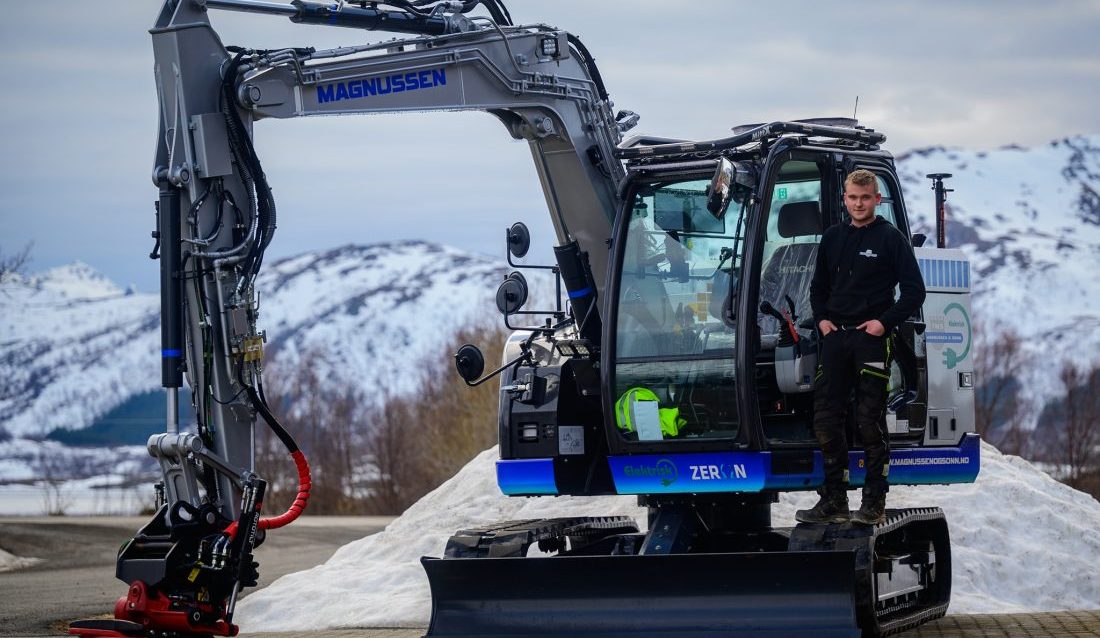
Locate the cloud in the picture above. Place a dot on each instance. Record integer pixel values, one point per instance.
(78, 111)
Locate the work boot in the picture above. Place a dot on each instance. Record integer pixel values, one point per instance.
(872, 510)
(832, 508)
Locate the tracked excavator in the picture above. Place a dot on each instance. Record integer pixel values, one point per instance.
(677, 366)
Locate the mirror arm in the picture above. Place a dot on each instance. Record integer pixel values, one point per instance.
(524, 356)
(553, 269)
(538, 329)
(515, 265)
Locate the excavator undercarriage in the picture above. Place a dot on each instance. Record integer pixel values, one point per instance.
(689, 577)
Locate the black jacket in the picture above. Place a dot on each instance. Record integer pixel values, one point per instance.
(857, 270)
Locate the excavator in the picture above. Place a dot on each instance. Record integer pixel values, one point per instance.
(677, 365)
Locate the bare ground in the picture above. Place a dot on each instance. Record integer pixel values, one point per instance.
(76, 577)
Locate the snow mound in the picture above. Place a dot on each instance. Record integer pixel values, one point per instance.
(377, 581)
(10, 562)
(1021, 542)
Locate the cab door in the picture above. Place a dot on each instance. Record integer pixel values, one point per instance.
(796, 206)
(668, 354)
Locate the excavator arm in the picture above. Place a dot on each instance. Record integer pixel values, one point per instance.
(539, 82)
(216, 217)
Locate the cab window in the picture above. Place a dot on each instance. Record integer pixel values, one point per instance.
(674, 367)
(790, 247)
(887, 207)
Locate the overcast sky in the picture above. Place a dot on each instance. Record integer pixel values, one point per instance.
(78, 110)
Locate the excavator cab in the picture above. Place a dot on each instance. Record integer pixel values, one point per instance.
(711, 312)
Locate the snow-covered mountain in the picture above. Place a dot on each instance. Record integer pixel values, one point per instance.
(1030, 221)
(73, 345)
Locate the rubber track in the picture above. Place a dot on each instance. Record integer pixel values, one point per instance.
(863, 541)
(896, 520)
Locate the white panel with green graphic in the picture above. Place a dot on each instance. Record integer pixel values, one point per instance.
(948, 343)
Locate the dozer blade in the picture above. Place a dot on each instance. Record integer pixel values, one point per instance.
(760, 594)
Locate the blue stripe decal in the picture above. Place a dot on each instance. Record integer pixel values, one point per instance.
(752, 471)
(580, 293)
(526, 477)
(746, 471)
(170, 353)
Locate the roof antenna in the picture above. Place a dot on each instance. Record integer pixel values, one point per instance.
(856, 109)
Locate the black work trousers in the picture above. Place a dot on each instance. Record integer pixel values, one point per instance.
(853, 359)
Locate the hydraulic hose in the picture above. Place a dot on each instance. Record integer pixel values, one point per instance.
(304, 480)
(299, 505)
(251, 171)
(590, 64)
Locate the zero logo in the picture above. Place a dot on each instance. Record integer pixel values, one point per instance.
(714, 472)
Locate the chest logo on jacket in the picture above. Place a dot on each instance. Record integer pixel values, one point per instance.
(868, 253)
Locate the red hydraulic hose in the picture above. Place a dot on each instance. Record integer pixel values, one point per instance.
(299, 504)
(304, 481)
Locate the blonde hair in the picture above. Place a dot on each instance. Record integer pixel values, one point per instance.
(861, 177)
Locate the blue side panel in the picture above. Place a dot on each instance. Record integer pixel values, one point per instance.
(927, 466)
(752, 471)
(745, 471)
(526, 477)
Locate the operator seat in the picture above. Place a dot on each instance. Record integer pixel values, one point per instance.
(790, 269)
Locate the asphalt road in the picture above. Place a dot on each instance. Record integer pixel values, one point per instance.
(76, 577)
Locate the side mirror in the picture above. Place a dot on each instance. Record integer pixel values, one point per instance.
(718, 194)
(919, 239)
(469, 362)
(519, 240)
(512, 293)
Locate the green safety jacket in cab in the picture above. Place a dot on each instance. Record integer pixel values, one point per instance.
(670, 419)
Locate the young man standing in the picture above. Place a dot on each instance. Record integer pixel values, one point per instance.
(859, 263)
